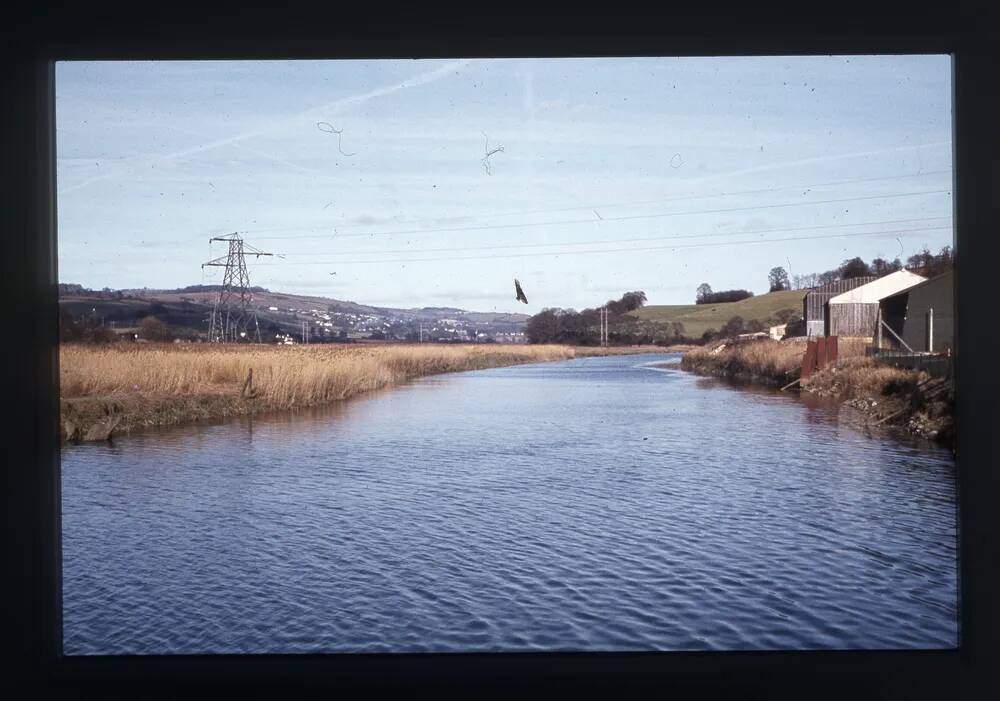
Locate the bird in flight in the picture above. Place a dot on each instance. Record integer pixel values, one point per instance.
(519, 292)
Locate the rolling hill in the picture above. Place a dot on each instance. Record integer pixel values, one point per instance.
(188, 309)
(698, 318)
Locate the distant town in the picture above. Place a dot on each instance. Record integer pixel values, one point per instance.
(183, 315)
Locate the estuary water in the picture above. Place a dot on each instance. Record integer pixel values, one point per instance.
(596, 504)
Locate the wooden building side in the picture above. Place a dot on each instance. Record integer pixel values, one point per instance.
(855, 313)
(816, 302)
(852, 320)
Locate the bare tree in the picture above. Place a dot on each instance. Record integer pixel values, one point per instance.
(153, 329)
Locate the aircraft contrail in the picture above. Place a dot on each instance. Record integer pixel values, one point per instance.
(333, 107)
(256, 152)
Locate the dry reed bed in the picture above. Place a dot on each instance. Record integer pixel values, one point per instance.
(283, 377)
(772, 362)
(885, 394)
(862, 378)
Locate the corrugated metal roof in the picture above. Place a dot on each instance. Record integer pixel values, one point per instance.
(839, 286)
(883, 287)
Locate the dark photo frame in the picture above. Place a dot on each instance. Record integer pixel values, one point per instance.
(36, 37)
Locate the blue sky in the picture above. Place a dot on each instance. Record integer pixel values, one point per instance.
(616, 174)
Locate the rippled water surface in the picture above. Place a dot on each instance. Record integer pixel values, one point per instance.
(593, 504)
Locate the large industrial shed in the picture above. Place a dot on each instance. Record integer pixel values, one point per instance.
(814, 305)
(923, 316)
(855, 313)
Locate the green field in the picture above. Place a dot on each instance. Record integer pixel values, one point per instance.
(698, 318)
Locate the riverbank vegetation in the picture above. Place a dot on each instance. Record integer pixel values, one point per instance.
(763, 361)
(888, 395)
(885, 394)
(121, 387)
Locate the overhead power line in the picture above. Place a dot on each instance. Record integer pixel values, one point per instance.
(631, 217)
(498, 247)
(890, 232)
(633, 203)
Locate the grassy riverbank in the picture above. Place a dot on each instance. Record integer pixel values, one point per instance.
(764, 362)
(106, 389)
(886, 395)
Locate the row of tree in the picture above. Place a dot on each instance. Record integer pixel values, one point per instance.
(88, 328)
(705, 295)
(583, 328)
(777, 280)
(923, 263)
(736, 325)
(85, 329)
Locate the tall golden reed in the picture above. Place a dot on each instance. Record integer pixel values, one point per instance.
(283, 376)
(764, 358)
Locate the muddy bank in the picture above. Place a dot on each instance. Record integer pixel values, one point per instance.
(913, 400)
(885, 396)
(99, 418)
(740, 375)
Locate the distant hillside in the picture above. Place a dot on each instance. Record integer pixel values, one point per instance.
(698, 318)
(263, 298)
(277, 312)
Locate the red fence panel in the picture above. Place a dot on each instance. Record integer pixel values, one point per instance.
(831, 349)
(809, 360)
(821, 352)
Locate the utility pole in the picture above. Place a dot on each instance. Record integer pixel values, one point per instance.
(930, 330)
(232, 318)
(878, 316)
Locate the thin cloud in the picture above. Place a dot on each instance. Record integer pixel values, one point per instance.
(816, 159)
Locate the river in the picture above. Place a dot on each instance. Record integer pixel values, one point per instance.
(592, 504)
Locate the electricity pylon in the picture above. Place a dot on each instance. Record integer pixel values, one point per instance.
(233, 320)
